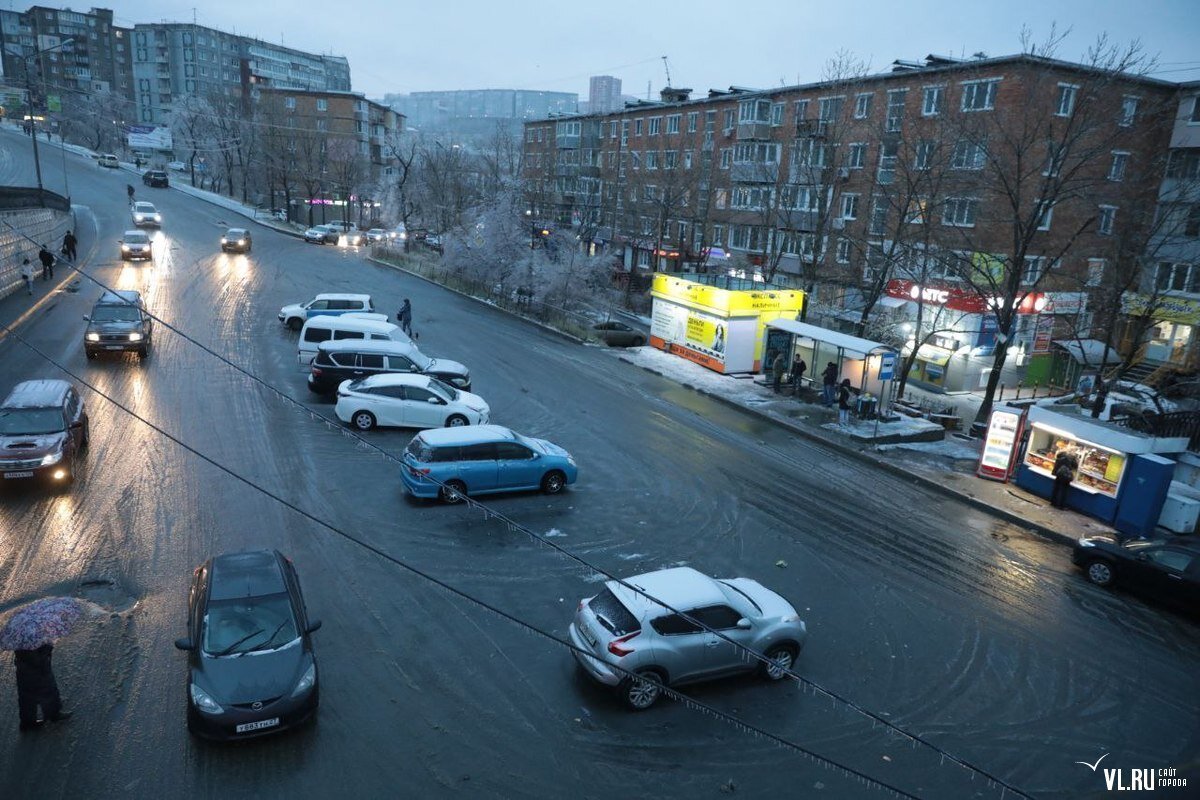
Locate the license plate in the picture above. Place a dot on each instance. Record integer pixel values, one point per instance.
(28, 474)
(255, 726)
(587, 636)
(114, 347)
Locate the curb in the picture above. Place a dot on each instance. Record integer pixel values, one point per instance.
(547, 328)
(1046, 532)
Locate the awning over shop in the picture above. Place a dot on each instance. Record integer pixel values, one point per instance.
(933, 354)
(842, 341)
(1089, 352)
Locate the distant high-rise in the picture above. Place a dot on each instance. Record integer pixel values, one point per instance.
(478, 111)
(604, 94)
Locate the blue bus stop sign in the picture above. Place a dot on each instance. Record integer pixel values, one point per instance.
(887, 367)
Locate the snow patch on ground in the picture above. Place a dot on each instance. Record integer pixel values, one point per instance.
(630, 556)
(554, 533)
(953, 448)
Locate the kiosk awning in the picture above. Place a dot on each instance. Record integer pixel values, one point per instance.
(843, 341)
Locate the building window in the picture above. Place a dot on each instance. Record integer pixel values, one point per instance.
(751, 111)
(1171, 277)
(879, 211)
(290, 103)
(925, 150)
(809, 153)
(857, 157)
(1032, 272)
(1054, 159)
(692, 117)
(322, 124)
(730, 117)
(1045, 213)
(718, 238)
(849, 206)
(1120, 160)
(1095, 271)
(651, 159)
(776, 114)
(655, 125)
(830, 108)
(916, 211)
(1066, 99)
(887, 162)
(1194, 119)
(932, 100)
(687, 159)
(612, 129)
(673, 123)
(322, 104)
(862, 105)
(669, 158)
(968, 155)
(895, 109)
(726, 157)
(843, 251)
(960, 212)
(1106, 220)
(800, 109)
(637, 127)
(979, 95)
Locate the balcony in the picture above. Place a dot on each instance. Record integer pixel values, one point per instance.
(566, 142)
(812, 129)
(753, 130)
(802, 173)
(566, 170)
(754, 172)
(589, 171)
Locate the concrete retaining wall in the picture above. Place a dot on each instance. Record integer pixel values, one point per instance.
(43, 225)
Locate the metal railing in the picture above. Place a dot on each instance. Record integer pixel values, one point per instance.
(15, 198)
(1170, 424)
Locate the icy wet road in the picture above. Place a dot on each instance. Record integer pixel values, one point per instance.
(968, 632)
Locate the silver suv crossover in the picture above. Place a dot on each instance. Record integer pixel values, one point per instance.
(630, 635)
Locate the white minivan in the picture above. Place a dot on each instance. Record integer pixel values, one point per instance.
(348, 326)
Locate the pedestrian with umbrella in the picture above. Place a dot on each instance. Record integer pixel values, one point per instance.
(30, 631)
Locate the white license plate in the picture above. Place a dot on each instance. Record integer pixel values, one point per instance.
(255, 726)
(27, 474)
(587, 636)
(114, 347)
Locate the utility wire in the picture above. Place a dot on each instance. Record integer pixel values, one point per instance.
(516, 527)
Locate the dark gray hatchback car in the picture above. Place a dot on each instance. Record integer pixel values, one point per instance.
(119, 322)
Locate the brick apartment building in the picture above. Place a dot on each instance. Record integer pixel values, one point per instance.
(965, 203)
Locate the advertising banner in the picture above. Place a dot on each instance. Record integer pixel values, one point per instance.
(1043, 335)
(1165, 308)
(148, 137)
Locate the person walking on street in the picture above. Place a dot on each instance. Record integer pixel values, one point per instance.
(36, 687)
(798, 368)
(843, 399)
(828, 384)
(47, 259)
(69, 244)
(404, 316)
(27, 274)
(777, 368)
(129, 191)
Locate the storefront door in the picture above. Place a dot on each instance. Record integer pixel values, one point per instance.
(1168, 343)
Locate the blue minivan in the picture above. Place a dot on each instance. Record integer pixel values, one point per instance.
(450, 463)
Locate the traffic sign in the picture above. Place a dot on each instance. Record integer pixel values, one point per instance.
(887, 367)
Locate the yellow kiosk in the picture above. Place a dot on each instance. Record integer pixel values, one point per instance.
(719, 328)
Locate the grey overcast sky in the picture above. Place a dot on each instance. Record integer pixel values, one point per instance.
(416, 45)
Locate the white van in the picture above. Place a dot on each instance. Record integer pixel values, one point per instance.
(108, 160)
(324, 328)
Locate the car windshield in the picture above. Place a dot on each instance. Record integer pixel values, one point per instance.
(248, 624)
(30, 421)
(115, 314)
(422, 361)
(445, 390)
(139, 239)
(144, 208)
(234, 233)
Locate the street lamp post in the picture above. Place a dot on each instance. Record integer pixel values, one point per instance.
(37, 162)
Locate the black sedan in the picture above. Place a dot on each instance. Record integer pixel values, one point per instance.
(155, 178)
(1165, 569)
(236, 240)
(251, 667)
(618, 334)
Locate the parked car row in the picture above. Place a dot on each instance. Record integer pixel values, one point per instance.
(345, 234)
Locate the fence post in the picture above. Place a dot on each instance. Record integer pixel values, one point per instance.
(1001, 395)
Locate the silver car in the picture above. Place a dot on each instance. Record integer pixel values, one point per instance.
(621, 628)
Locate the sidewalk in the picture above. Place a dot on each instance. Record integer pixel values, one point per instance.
(947, 466)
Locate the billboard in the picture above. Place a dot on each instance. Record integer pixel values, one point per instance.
(148, 137)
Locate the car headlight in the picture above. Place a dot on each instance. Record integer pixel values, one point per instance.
(93, 337)
(135, 337)
(202, 701)
(306, 681)
(158, 217)
(241, 242)
(53, 458)
(125, 248)
(1086, 543)
(224, 240)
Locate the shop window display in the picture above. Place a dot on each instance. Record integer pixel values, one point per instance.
(1100, 469)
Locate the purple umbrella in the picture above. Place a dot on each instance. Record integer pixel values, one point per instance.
(32, 625)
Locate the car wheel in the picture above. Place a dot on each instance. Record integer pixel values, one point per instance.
(363, 420)
(143, 353)
(642, 691)
(781, 657)
(638, 342)
(553, 482)
(295, 323)
(86, 439)
(1100, 572)
(453, 492)
(91, 354)
(456, 421)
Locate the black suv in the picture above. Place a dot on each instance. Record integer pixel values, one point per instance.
(251, 666)
(118, 323)
(43, 428)
(155, 178)
(347, 359)
(1167, 570)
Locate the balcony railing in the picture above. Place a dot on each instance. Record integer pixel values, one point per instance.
(753, 130)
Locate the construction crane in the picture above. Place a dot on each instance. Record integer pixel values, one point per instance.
(667, 67)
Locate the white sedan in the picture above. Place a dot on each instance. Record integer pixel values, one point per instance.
(405, 400)
(146, 214)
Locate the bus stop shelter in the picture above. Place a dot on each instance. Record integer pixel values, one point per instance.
(870, 366)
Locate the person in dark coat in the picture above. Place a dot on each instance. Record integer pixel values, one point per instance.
(1100, 401)
(47, 259)
(828, 383)
(1065, 465)
(404, 317)
(798, 368)
(36, 687)
(777, 369)
(843, 400)
(69, 244)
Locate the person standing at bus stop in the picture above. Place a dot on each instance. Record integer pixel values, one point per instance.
(828, 384)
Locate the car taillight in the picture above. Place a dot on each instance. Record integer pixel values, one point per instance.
(418, 472)
(617, 650)
(316, 370)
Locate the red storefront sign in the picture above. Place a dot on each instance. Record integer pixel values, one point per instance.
(957, 298)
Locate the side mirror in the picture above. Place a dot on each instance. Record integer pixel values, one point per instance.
(86, 318)
(184, 644)
(744, 624)
(76, 424)
(314, 625)
(433, 401)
